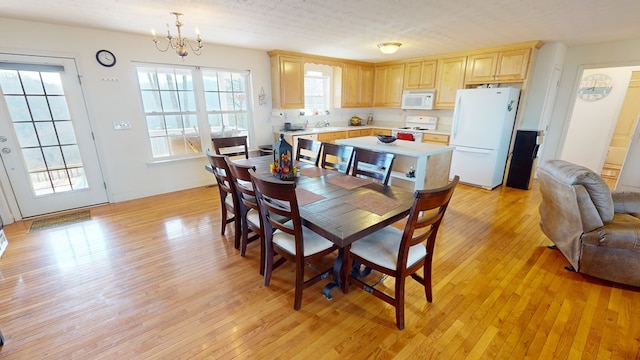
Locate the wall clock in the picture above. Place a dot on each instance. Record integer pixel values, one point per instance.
(595, 87)
(105, 58)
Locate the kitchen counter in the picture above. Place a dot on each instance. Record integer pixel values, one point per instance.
(431, 162)
(317, 130)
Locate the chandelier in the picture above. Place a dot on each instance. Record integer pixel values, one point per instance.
(179, 43)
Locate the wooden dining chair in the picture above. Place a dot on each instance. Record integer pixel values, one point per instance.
(402, 253)
(229, 202)
(234, 146)
(308, 151)
(289, 239)
(248, 207)
(336, 157)
(373, 164)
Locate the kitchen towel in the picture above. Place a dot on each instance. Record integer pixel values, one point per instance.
(374, 202)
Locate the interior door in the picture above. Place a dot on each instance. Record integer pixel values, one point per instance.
(46, 143)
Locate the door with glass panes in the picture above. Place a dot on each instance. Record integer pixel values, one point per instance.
(46, 143)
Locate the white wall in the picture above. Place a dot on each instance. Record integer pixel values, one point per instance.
(617, 53)
(592, 123)
(111, 94)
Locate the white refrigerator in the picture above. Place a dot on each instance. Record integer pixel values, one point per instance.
(481, 131)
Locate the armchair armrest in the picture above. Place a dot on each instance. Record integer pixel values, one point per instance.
(626, 202)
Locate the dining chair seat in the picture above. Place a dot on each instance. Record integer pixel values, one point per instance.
(382, 248)
(313, 243)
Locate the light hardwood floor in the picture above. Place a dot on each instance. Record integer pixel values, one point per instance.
(153, 279)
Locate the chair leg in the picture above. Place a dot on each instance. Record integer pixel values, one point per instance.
(262, 255)
(238, 231)
(297, 304)
(427, 279)
(399, 301)
(245, 236)
(224, 219)
(268, 264)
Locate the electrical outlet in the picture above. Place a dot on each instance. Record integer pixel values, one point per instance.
(121, 125)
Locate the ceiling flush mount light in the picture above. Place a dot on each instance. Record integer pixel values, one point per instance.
(178, 43)
(389, 47)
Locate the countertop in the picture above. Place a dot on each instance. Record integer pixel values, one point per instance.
(317, 130)
(400, 147)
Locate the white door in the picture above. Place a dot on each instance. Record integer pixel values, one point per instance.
(46, 144)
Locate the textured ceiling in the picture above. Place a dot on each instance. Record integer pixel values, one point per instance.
(352, 28)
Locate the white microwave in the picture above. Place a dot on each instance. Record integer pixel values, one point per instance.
(418, 99)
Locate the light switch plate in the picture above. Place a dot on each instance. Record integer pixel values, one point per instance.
(121, 125)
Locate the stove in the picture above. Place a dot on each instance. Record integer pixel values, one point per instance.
(415, 126)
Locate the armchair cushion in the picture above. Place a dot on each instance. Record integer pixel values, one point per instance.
(598, 190)
(626, 202)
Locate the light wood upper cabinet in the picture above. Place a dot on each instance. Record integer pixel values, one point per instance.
(287, 77)
(481, 67)
(449, 78)
(357, 85)
(499, 66)
(420, 75)
(513, 65)
(388, 85)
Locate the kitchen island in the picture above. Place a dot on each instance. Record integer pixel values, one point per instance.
(431, 162)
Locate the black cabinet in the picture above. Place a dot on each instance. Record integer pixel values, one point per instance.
(523, 160)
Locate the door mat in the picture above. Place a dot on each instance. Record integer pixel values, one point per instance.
(60, 220)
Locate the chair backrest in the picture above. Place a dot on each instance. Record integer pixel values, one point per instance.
(337, 157)
(242, 181)
(308, 151)
(231, 146)
(278, 197)
(424, 219)
(223, 176)
(373, 164)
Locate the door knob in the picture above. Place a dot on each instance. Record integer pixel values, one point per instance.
(6, 150)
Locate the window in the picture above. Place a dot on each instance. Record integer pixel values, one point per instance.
(316, 93)
(226, 102)
(175, 116)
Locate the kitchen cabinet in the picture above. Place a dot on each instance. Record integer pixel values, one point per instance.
(498, 66)
(358, 133)
(357, 85)
(332, 136)
(378, 131)
(439, 139)
(420, 75)
(388, 85)
(287, 78)
(449, 78)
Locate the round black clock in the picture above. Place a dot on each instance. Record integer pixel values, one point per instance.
(105, 58)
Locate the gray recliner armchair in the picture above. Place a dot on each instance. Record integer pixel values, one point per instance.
(597, 230)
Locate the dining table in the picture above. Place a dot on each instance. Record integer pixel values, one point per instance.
(340, 207)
